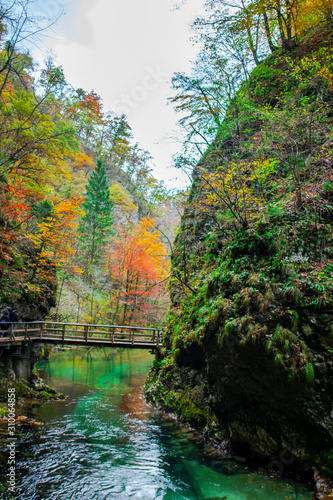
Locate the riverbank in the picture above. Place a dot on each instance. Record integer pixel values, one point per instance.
(283, 463)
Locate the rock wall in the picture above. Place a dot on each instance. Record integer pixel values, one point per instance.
(17, 363)
(248, 352)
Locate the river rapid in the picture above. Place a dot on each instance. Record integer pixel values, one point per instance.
(104, 442)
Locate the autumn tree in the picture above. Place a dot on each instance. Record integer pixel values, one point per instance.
(19, 27)
(50, 138)
(236, 190)
(138, 267)
(25, 124)
(115, 144)
(54, 232)
(235, 37)
(147, 192)
(85, 111)
(35, 146)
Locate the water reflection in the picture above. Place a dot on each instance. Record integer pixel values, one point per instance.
(103, 442)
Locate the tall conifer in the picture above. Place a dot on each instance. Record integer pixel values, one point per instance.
(97, 221)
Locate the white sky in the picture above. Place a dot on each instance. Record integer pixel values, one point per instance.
(127, 52)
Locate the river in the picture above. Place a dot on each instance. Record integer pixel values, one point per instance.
(104, 442)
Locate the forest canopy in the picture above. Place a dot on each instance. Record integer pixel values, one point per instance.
(73, 182)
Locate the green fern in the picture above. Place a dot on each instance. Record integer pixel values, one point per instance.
(279, 359)
(309, 373)
(229, 327)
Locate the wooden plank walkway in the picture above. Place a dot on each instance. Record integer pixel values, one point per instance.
(81, 334)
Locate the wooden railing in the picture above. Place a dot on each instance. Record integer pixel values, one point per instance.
(81, 334)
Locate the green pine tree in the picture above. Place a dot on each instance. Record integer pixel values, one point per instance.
(96, 224)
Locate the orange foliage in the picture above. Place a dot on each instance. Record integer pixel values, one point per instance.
(81, 161)
(92, 104)
(88, 106)
(138, 263)
(14, 212)
(13, 203)
(56, 234)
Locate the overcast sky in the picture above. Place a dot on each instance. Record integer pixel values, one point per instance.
(127, 52)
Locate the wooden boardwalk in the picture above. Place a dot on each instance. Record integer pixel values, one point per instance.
(81, 335)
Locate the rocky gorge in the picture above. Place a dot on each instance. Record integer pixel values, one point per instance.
(248, 352)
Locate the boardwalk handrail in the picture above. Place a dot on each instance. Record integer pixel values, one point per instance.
(82, 334)
(91, 324)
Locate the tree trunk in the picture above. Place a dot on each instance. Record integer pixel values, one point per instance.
(268, 31)
(252, 47)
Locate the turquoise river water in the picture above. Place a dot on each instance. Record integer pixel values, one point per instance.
(104, 442)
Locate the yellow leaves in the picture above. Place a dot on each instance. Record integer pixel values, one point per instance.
(262, 168)
(235, 188)
(312, 71)
(77, 269)
(121, 198)
(32, 145)
(312, 12)
(149, 238)
(326, 75)
(81, 161)
(56, 233)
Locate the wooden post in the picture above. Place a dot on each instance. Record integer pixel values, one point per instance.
(158, 339)
(11, 332)
(41, 331)
(25, 331)
(154, 337)
(63, 332)
(133, 334)
(113, 330)
(86, 333)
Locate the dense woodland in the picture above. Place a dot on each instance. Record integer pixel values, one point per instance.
(80, 210)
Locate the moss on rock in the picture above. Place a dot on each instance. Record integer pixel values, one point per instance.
(248, 348)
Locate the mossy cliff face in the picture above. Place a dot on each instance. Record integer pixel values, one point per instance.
(248, 349)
